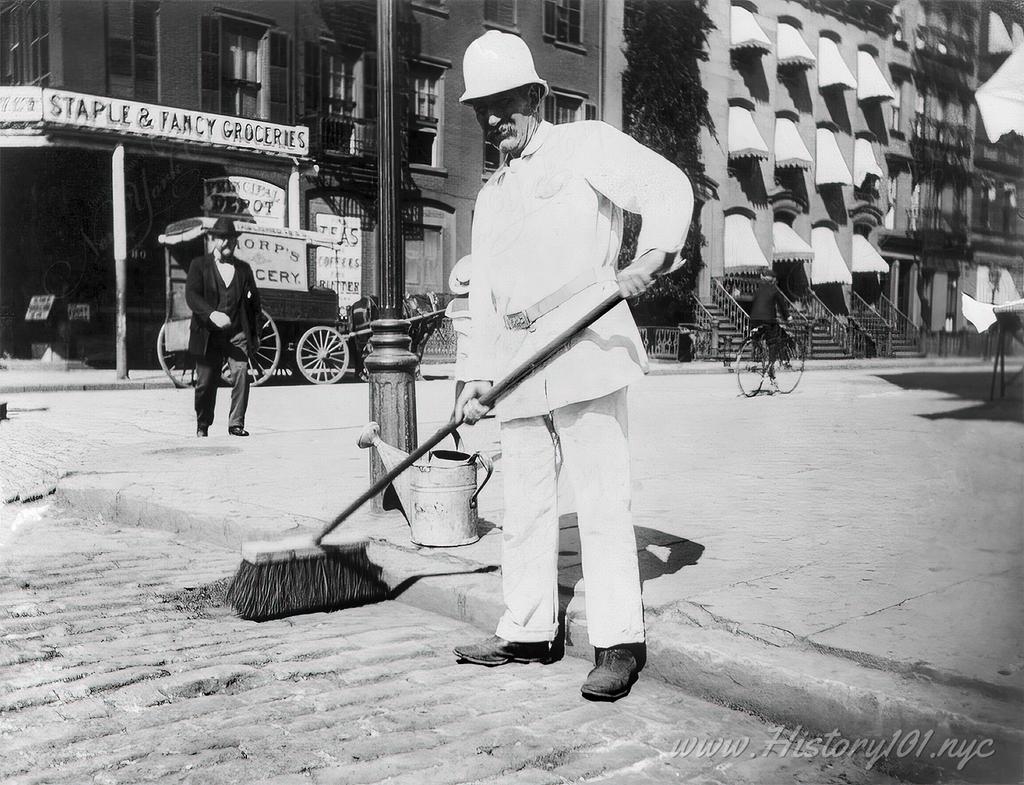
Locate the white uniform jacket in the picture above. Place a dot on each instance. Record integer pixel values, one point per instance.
(542, 221)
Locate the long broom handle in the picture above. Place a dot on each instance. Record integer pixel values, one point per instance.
(513, 379)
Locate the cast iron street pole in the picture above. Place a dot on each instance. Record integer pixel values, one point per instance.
(391, 365)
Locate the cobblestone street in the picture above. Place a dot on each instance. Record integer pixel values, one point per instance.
(120, 666)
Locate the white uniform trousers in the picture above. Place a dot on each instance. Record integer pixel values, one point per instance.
(593, 441)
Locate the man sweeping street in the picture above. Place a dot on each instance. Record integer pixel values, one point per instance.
(546, 235)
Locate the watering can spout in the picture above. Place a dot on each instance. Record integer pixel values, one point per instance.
(390, 456)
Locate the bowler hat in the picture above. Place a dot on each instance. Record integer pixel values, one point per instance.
(223, 227)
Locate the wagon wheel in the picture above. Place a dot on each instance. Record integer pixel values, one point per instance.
(322, 355)
(264, 361)
(178, 365)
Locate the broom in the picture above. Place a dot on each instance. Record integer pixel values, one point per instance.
(285, 577)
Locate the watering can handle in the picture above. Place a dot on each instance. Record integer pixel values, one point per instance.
(488, 464)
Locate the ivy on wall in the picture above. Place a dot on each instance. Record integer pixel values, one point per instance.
(664, 107)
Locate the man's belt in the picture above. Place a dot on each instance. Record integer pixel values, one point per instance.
(521, 320)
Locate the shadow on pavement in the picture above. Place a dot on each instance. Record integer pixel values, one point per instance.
(659, 553)
(972, 386)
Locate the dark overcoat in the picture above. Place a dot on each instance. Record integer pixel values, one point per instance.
(201, 294)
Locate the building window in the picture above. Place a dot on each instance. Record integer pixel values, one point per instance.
(241, 78)
(500, 12)
(424, 262)
(952, 287)
(896, 108)
(426, 121)
(566, 108)
(25, 43)
(563, 20)
(280, 78)
(209, 63)
(892, 189)
(983, 206)
(131, 49)
(1009, 207)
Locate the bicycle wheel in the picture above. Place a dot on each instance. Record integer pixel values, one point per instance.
(788, 366)
(751, 367)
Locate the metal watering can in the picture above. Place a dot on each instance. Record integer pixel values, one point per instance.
(438, 493)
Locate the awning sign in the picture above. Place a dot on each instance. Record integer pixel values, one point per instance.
(341, 269)
(277, 262)
(39, 307)
(21, 104)
(244, 197)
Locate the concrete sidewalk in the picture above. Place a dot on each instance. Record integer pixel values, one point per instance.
(846, 557)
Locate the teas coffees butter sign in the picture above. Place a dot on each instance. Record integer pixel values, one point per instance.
(39, 307)
(245, 198)
(277, 262)
(341, 268)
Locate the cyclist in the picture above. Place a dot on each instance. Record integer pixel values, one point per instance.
(765, 311)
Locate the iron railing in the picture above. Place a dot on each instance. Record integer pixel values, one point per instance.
(705, 340)
(837, 331)
(342, 135)
(733, 310)
(873, 323)
(899, 322)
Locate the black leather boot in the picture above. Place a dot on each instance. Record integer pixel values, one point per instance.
(616, 671)
(498, 651)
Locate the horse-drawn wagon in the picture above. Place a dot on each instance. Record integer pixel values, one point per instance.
(304, 330)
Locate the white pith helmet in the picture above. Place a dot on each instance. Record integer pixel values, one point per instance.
(458, 280)
(496, 62)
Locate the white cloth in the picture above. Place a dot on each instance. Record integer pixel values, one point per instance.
(542, 220)
(593, 439)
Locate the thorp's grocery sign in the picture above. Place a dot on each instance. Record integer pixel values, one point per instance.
(65, 108)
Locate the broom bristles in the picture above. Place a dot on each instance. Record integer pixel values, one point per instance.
(318, 579)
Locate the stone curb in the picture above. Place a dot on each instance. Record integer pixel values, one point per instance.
(657, 368)
(807, 690)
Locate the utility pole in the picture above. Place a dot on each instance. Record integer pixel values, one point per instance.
(391, 364)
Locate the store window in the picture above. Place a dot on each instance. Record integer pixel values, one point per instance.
(25, 43)
(131, 27)
(424, 263)
(500, 12)
(563, 21)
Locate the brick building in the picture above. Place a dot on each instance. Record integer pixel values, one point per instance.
(844, 159)
(175, 96)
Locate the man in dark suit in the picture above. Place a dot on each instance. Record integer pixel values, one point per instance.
(225, 303)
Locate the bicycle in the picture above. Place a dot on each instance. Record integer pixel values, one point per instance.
(769, 361)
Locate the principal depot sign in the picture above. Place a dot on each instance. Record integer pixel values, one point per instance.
(79, 110)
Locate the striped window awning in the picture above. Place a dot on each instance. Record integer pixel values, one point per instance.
(828, 265)
(871, 82)
(830, 167)
(743, 254)
(1001, 99)
(864, 162)
(832, 69)
(791, 48)
(865, 258)
(999, 40)
(745, 32)
(788, 246)
(790, 150)
(745, 141)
